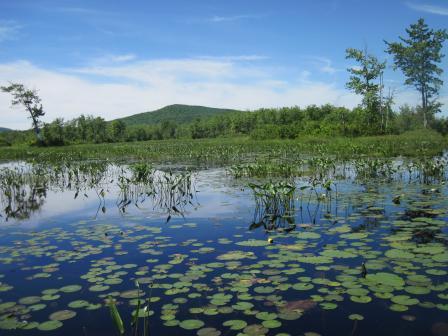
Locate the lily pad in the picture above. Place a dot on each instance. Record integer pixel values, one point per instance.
(191, 324)
(235, 324)
(49, 325)
(356, 317)
(62, 315)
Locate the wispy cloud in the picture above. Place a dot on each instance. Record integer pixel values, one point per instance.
(218, 19)
(9, 30)
(326, 65)
(322, 64)
(77, 10)
(427, 8)
(235, 58)
(113, 58)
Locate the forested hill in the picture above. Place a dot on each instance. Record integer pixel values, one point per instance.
(180, 114)
(3, 129)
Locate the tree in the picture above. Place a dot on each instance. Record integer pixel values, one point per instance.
(30, 100)
(417, 57)
(53, 133)
(118, 130)
(97, 129)
(82, 125)
(168, 129)
(363, 80)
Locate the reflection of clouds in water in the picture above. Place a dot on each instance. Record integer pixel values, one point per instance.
(216, 203)
(217, 197)
(57, 205)
(214, 199)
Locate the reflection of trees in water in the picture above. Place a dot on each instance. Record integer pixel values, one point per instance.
(20, 195)
(20, 203)
(23, 189)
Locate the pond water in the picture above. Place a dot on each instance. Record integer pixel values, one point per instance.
(204, 255)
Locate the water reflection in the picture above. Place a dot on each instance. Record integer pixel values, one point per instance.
(24, 188)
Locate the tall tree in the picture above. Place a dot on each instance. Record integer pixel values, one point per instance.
(417, 56)
(30, 100)
(118, 130)
(364, 80)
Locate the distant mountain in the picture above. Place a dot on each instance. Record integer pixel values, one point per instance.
(180, 114)
(3, 129)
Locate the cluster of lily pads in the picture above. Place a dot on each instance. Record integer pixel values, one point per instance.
(367, 250)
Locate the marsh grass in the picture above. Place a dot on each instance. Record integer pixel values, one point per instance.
(238, 150)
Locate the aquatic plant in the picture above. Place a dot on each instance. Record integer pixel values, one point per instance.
(140, 312)
(274, 205)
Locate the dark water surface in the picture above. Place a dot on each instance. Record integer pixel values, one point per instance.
(220, 266)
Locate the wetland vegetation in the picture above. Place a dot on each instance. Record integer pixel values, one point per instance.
(204, 245)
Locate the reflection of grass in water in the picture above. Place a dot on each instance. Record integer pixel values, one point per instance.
(169, 192)
(262, 169)
(23, 189)
(426, 170)
(274, 205)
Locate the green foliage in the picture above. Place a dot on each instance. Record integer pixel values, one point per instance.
(263, 124)
(365, 80)
(118, 130)
(236, 150)
(116, 318)
(440, 125)
(53, 133)
(417, 56)
(179, 114)
(28, 99)
(80, 130)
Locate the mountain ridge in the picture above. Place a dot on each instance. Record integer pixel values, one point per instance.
(178, 113)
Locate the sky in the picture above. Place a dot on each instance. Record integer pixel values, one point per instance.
(113, 58)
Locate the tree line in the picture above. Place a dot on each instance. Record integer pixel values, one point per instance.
(262, 124)
(417, 55)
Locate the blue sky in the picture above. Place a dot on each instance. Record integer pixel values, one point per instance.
(116, 58)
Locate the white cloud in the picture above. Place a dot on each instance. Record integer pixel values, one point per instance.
(248, 58)
(120, 89)
(408, 96)
(320, 64)
(324, 65)
(8, 30)
(218, 19)
(439, 10)
(75, 10)
(111, 58)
